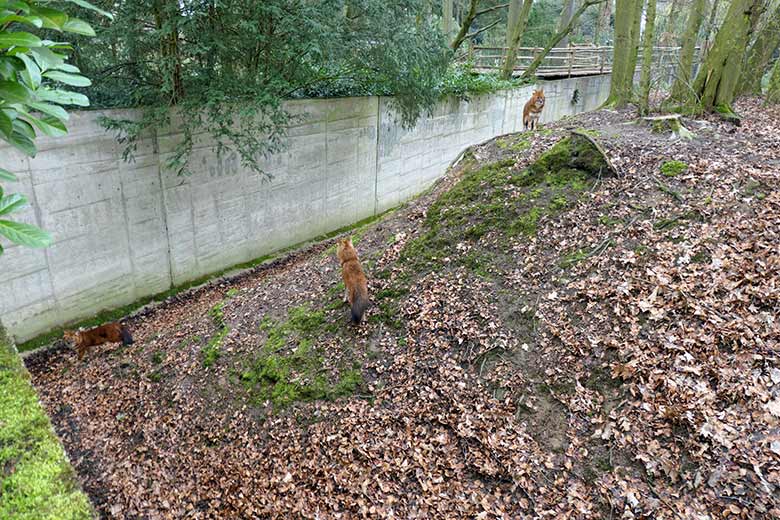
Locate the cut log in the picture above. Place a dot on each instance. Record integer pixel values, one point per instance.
(600, 149)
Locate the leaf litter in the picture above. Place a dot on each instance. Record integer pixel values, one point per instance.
(617, 359)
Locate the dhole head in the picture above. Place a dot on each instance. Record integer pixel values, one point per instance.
(539, 98)
(71, 336)
(343, 245)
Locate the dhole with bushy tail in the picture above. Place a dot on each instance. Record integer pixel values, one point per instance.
(355, 283)
(108, 333)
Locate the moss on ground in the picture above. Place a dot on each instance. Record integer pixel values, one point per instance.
(673, 168)
(497, 198)
(290, 367)
(37, 481)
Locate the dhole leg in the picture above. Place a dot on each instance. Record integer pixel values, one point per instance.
(346, 295)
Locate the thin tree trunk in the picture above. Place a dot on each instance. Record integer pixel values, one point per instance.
(517, 31)
(167, 15)
(446, 17)
(647, 58)
(715, 84)
(636, 29)
(670, 28)
(603, 21)
(620, 85)
(511, 20)
(681, 89)
(760, 53)
(773, 91)
(566, 15)
(531, 70)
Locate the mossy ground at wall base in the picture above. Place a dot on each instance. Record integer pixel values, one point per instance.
(36, 480)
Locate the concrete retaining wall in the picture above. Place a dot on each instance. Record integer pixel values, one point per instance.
(127, 230)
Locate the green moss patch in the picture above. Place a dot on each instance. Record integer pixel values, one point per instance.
(509, 203)
(673, 168)
(36, 480)
(290, 367)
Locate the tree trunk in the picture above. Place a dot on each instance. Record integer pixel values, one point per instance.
(566, 15)
(647, 58)
(760, 54)
(511, 20)
(715, 84)
(681, 89)
(636, 29)
(166, 20)
(622, 69)
(710, 25)
(670, 28)
(531, 70)
(773, 91)
(517, 32)
(602, 22)
(446, 18)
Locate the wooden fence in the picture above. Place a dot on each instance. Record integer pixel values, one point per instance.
(565, 62)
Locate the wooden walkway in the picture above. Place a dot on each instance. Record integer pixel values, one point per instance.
(562, 62)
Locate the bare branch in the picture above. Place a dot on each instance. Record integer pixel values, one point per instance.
(471, 35)
(489, 9)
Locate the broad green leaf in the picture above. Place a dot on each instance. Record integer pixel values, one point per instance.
(35, 21)
(6, 124)
(1, 249)
(87, 5)
(15, 5)
(46, 58)
(48, 125)
(19, 39)
(67, 67)
(63, 97)
(5, 175)
(53, 110)
(77, 26)
(69, 79)
(13, 92)
(24, 234)
(23, 143)
(24, 128)
(31, 74)
(57, 45)
(12, 202)
(52, 18)
(7, 67)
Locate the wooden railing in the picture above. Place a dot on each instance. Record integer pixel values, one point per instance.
(563, 61)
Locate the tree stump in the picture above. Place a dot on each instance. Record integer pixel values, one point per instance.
(671, 123)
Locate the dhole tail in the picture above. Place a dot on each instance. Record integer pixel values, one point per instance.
(359, 305)
(127, 339)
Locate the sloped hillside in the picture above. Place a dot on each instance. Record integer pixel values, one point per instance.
(546, 340)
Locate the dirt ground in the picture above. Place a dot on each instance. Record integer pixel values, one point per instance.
(538, 346)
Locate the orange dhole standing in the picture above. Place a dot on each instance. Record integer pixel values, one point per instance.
(533, 109)
(355, 284)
